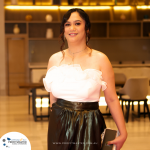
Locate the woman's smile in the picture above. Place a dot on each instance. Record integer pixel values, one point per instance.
(74, 29)
(73, 34)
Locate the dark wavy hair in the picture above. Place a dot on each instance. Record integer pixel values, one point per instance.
(67, 15)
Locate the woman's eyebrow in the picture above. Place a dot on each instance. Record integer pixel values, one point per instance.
(74, 21)
(77, 20)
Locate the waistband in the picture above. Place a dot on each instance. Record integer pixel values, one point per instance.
(78, 105)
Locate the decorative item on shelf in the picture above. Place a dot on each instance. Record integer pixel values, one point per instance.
(56, 2)
(49, 18)
(146, 2)
(70, 2)
(146, 16)
(28, 17)
(49, 33)
(14, 2)
(80, 2)
(33, 2)
(16, 29)
(115, 2)
(122, 17)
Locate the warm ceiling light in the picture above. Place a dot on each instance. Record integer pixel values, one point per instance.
(93, 4)
(122, 7)
(32, 7)
(56, 7)
(64, 3)
(143, 7)
(85, 7)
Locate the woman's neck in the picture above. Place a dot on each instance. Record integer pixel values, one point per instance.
(74, 49)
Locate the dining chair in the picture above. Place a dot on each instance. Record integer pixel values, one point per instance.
(120, 80)
(41, 93)
(135, 89)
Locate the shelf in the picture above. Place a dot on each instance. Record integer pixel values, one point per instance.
(143, 14)
(124, 13)
(43, 39)
(99, 30)
(125, 29)
(93, 21)
(99, 21)
(15, 35)
(110, 33)
(92, 38)
(148, 37)
(15, 21)
(146, 20)
(13, 15)
(44, 22)
(124, 37)
(10, 26)
(146, 28)
(38, 30)
(101, 15)
(98, 38)
(19, 21)
(125, 21)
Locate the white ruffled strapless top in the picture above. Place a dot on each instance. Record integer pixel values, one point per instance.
(71, 83)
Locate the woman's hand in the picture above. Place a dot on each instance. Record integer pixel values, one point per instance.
(52, 100)
(113, 103)
(118, 141)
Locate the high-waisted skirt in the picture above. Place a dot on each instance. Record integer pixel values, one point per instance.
(75, 126)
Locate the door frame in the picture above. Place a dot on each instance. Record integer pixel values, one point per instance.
(16, 36)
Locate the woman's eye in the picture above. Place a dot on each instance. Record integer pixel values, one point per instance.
(67, 24)
(78, 23)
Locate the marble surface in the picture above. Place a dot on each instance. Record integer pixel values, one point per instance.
(14, 117)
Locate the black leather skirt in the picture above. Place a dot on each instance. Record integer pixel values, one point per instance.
(75, 126)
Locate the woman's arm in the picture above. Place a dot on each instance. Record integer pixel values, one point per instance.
(53, 62)
(112, 101)
(52, 99)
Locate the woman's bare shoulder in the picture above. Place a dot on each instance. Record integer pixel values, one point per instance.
(103, 61)
(55, 59)
(100, 55)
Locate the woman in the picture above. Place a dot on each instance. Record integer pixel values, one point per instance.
(74, 79)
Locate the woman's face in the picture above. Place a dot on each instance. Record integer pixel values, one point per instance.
(74, 29)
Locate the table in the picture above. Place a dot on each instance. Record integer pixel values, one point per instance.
(33, 86)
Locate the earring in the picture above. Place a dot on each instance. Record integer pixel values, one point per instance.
(87, 39)
(64, 37)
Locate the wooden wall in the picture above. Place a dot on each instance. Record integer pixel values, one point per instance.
(2, 52)
(116, 49)
(124, 49)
